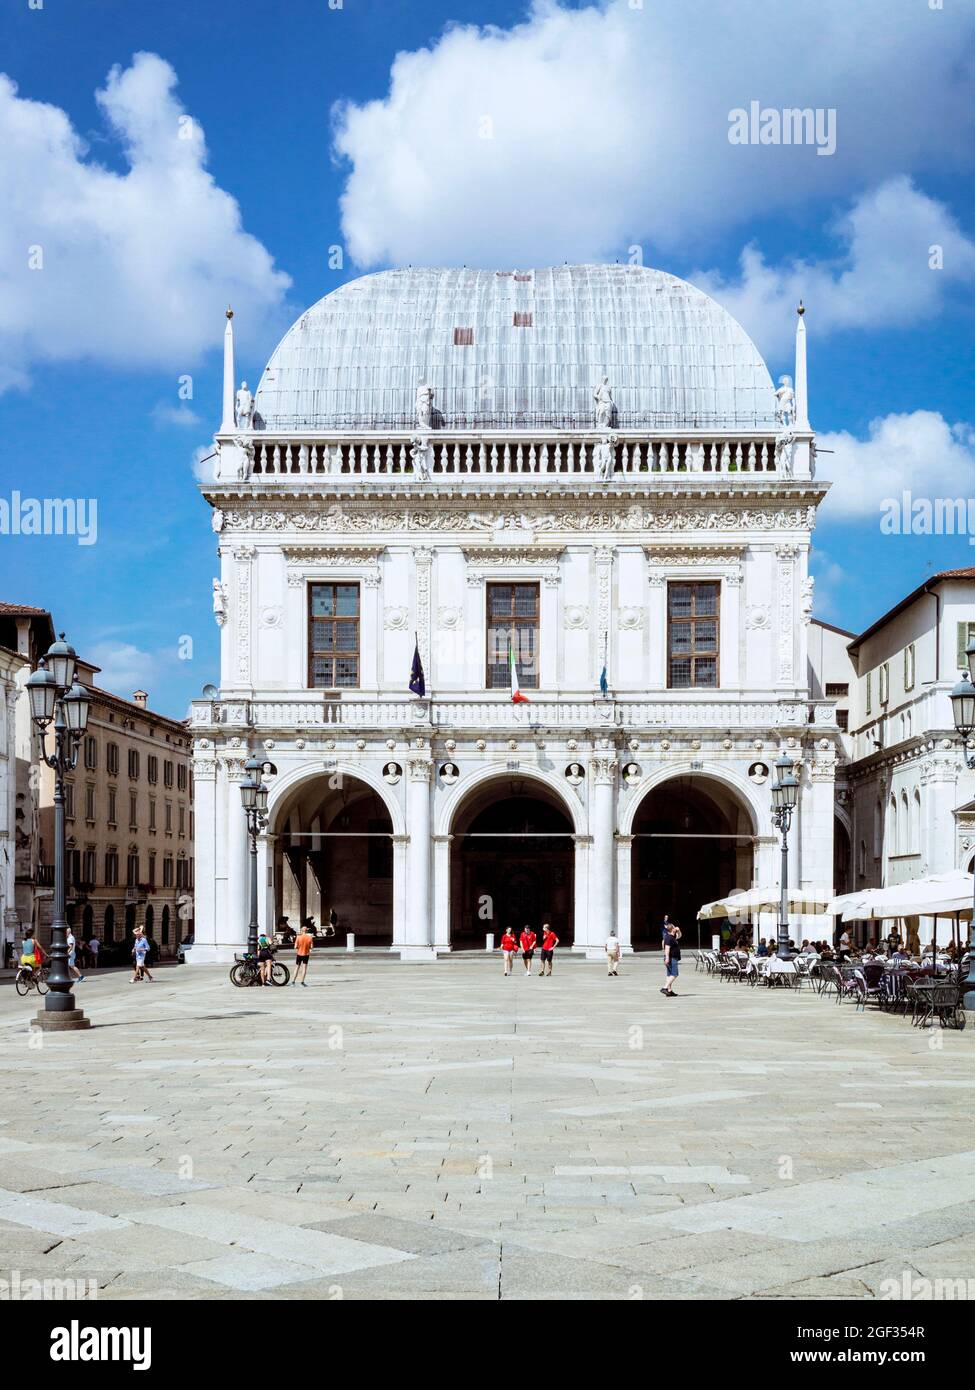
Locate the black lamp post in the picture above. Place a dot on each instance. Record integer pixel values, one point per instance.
(55, 695)
(963, 712)
(253, 793)
(785, 794)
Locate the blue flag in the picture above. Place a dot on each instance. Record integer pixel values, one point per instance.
(417, 683)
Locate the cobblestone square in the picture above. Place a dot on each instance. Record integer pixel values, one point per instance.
(408, 1132)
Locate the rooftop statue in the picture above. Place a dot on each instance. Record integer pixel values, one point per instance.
(603, 397)
(421, 452)
(785, 402)
(244, 408)
(424, 406)
(604, 457)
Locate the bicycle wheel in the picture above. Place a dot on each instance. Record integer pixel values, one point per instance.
(280, 974)
(40, 981)
(22, 983)
(238, 973)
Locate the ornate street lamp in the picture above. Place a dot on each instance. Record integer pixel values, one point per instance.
(963, 712)
(253, 794)
(785, 794)
(56, 696)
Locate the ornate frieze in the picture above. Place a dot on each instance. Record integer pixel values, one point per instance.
(580, 516)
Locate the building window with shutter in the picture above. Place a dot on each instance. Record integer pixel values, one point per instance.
(868, 692)
(966, 636)
(91, 753)
(111, 868)
(883, 684)
(910, 664)
(333, 636)
(512, 625)
(134, 764)
(111, 759)
(692, 635)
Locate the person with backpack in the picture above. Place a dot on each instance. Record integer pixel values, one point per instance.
(671, 957)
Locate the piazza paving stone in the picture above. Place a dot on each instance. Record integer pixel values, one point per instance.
(438, 1132)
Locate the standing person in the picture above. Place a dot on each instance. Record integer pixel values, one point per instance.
(612, 953)
(549, 943)
(73, 955)
(333, 922)
(844, 948)
(140, 955)
(303, 944)
(509, 947)
(265, 957)
(671, 958)
(528, 940)
(94, 946)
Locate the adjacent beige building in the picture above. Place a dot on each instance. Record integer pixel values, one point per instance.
(129, 808)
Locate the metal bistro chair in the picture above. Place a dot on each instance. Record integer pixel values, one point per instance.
(848, 986)
(829, 977)
(941, 1002)
(870, 978)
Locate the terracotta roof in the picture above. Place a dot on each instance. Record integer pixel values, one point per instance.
(25, 609)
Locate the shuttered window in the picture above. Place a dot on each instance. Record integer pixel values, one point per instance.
(966, 635)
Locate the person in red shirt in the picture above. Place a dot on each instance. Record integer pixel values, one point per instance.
(549, 943)
(508, 948)
(528, 939)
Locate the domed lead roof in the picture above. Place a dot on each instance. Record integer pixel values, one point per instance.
(515, 349)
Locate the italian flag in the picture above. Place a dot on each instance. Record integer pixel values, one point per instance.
(516, 696)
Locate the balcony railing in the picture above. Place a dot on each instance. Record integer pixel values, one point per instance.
(513, 455)
(690, 711)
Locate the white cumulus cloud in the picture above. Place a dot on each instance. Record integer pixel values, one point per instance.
(124, 667)
(132, 268)
(919, 452)
(582, 131)
(900, 252)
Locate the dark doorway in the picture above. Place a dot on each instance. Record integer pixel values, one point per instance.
(511, 864)
(333, 854)
(692, 843)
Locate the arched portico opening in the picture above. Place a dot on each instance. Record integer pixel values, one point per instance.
(693, 841)
(512, 862)
(332, 844)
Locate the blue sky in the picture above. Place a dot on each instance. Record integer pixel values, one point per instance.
(608, 130)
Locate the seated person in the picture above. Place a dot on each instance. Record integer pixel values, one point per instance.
(29, 952)
(762, 948)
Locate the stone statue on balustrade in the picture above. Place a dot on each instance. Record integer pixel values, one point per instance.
(605, 407)
(424, 406)
(604, 458)
(244, 408)
(785, 404)
(421, 452)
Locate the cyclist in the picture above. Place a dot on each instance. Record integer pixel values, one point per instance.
(29, 952)
(265, 956)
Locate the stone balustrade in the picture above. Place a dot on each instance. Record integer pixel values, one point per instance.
(392, 456)
(297, 716)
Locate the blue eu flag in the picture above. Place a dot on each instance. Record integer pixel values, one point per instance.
(417, 683)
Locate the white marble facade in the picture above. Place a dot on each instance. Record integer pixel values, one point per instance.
(712, 488)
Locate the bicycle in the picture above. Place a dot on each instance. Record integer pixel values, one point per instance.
(246, 970)
(30, 977)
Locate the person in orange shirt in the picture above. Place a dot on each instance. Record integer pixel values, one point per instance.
(549, 943)
(528, 939)
(303, 944)
(508, 948)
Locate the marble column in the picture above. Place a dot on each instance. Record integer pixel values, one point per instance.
(602, 914)
(418, 941)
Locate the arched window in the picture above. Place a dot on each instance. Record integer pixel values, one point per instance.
(108, 930)
(165, 925)
(892, 826)
(916, 822)
(905, 827)
(878, 830)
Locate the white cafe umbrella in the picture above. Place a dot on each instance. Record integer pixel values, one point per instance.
(938, 895)
(811, 900)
